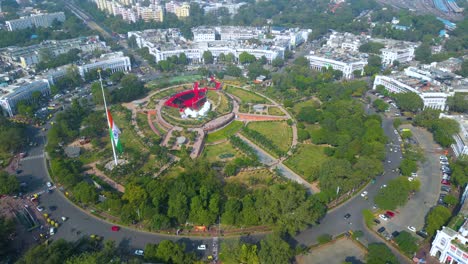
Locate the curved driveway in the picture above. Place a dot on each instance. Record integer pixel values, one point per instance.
(35, 174)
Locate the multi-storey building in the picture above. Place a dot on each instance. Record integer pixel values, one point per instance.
(346, 64)
(179, 9)
(201, 34)
(434, 93)
(395, 50)
(37, 20)
(460, 146)
(27, 56)
(161, 49)
(114, 61)
(11, 95)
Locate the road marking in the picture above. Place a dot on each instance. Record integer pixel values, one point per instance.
(33, 157)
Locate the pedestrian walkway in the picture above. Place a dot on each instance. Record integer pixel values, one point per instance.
(33, 157)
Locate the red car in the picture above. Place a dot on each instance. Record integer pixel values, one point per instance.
(445, 182)
(390, 214)
(115, 228)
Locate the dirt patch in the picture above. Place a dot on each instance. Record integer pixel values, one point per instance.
(94, 170)
(77, 143)
(337, 252)
(315, 187)
(252, 117)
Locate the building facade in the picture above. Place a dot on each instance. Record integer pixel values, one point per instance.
(11, 95)
(39, 20)
(113, 61)
(431, 99)
(460, 146)
(318, 63)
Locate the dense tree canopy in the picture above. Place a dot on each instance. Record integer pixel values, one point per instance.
(8, 183)
(407, 242)
(436, 218)
(409, 101)
(396, 193)
(379, 253)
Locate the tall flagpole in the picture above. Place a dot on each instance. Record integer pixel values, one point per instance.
(107, 116)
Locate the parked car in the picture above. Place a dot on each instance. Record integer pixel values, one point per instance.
(380, 230)
(390, 214)
(383, 217)
(201, 247)
(40, 208)
(139, 252)
(377, 221)
(411, 228)
(395, 233)
(364, 193)
(445, 188)
(115, 228)
(422, 233)
(347, 216)
(49, 184)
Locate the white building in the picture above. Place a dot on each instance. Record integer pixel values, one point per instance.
(389, 55)
(39, 20)
(449, 246)
(435, 99)
(346, 41)
(27, 56)
(201, 34)
(343, 64)
(460, 147)
(114, 61)
(12, 94)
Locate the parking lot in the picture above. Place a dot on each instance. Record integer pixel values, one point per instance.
(340, 251)
(429, 174)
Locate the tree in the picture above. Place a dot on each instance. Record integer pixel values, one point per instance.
(380, 105)
(134, 194)
(450, 200)
(371, 47)
(132, 88)
(117, 76)
(436, 218)
(96, 91)
(207, 57)
(464, 69)
(245, 58)
(85, 193)
(396, 193)
(132, 43)
(406, 242)
(274, 250)
(379, 253)
(7, 227)
(277, 62)
(458, 102)
(423, 53)
(8, 183)
(408, 166)
(309, 115)
(409, 101)
(233, 70)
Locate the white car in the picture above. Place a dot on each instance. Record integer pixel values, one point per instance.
(201, 247)
(364, 194)
(383, 217)
(383, 186)
(414, 174)
(64, 218)
(139, 252)
(411, 228)
(40, 208)
(410, 179)
(49, 184)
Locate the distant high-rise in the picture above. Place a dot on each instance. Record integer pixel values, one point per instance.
(39, 20)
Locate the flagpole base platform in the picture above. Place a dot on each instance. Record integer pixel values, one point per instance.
(111, 164)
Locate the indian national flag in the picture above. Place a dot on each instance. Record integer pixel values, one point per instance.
(114, 133)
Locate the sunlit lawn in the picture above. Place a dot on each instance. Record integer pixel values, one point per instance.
(226, 132)
(280, 133)
(306, 160)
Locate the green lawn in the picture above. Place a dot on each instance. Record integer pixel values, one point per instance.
(311, 128)
(246, 96)
(273, 110)
(226, 132)
(220, 101)
(129, 137)
(254, 179)
(220, 152)
(307, 160)
(142, 121)
(278, 132)
(311, 102)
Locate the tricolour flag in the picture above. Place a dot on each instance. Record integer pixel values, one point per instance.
(114, 133)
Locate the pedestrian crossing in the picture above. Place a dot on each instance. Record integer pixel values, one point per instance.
(33, 157)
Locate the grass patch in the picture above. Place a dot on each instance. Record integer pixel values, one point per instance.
(278, 132)
(306, 160)
(273, 110)
(226, 132)
(166, 82)
(142, 121)
(246, 96)
(311, 127)
(217, 152)
(173, 171)
(254, 179)
(129, 137)
(220, 101)
(311, 102)
(168, 93)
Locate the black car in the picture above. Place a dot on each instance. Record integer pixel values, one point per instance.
(422, 233)
(377, 221)
(445, 189)
(380, 230)
(347, 216)
(395, 233)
